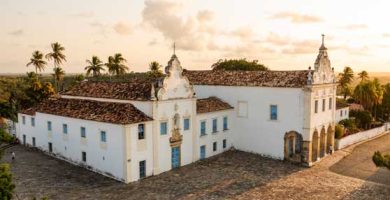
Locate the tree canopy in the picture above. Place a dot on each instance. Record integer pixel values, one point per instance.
(239, 65)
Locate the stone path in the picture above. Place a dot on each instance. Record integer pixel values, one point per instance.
(232, 175)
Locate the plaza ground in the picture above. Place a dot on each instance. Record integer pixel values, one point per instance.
(347, 174)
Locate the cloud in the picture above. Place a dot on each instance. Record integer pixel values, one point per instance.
(18, 32)
(355, 27)
(123, 28)
(190, 33)
(302, 47)
(277, 39)
(297, 18)
(386, 35)
(101, 28)
(84, 14)
(244, 32)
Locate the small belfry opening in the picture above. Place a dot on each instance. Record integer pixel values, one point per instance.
(293, 146)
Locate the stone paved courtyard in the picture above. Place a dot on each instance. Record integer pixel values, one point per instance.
(232, 175)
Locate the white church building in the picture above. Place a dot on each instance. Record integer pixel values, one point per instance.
(142, 127)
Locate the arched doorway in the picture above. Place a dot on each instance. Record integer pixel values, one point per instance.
(323, 142)
(314, 146)
(293, 146)
(330, 137)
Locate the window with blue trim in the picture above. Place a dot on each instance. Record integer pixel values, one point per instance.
(141, 131)
(65, 128)
(274, 112)
(215, 125)
(224, 143)
(186, 124)
(163, 128)
(23, 119)
(142, 169)
(49, 125)
(103, 136)
(202, 128)
(32, 121)
(83, 132)
(225, 123)
(215, 146)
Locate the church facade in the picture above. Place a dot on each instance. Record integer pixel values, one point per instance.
(146, 126)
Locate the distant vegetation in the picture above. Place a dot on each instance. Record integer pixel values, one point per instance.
(381, 160)
(239, 65)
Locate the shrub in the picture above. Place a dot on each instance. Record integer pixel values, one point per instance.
(6, 185)
(339, 131)
(381, 160)
(5, 137)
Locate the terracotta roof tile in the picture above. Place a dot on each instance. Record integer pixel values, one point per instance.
(340, 104)
(211, 104)
(136, 89)
(28, 111)
(116, 113)
(293, 79)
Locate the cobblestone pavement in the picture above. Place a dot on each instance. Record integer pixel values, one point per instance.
(232, 175)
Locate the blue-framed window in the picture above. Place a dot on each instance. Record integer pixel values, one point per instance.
(215, 125)
(163, 128)
(274, 112)
(83, 132)
(202, 152)
(202, 128)
(214, 146)
(23, 119)
(142, 169)
(224, 143)
(316, 106)
(65, 128)
(49, 125)
(141, 131)
(186, 124)
(225, 123)
(32, 121)
(103, 136)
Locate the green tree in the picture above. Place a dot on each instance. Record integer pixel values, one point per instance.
(345, 80)
(6, 185)
(116, 64)
(37, 61)
(386, 102)
(95, 65)
(363, 75)
(58, 76)
(239, 64)
(381, 160)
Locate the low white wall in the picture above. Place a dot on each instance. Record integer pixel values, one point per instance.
(361, 136)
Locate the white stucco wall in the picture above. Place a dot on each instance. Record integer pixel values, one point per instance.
(256, 132)
(361, 136)
(322, 118)
(341, 114)
(219, 136)
(105, 158)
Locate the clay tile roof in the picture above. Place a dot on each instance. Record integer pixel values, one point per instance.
(341, 104)
(136, 89)
(28, 111)
(292, 79)
(116, 113)
(355, 106)
(211, 104)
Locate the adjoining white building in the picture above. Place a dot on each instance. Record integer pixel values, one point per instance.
(342, 111)
(144, 126)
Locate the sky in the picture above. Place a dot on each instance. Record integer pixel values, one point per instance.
(281, 34)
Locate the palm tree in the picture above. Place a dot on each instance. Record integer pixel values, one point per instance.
(363, 76)
(37, 61)
(58, 76)
(378, 94)
(155, 68)
(116, 64)
(95, 66)
(57, 54)
(345, 79)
